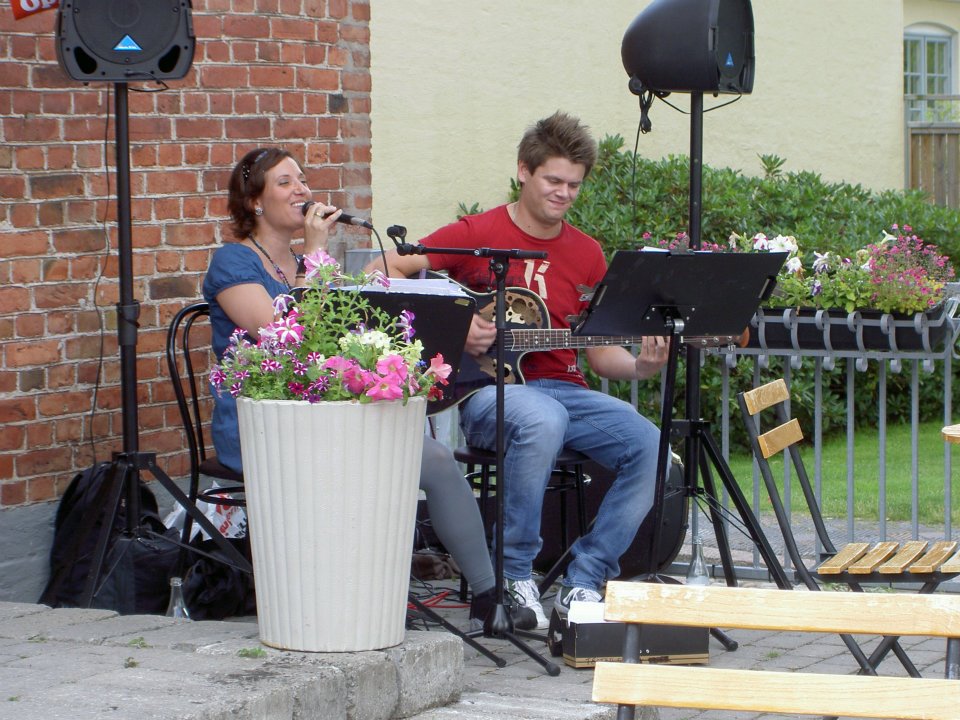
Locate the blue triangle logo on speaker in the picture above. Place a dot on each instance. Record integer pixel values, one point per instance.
(729, 62)
(128, 44)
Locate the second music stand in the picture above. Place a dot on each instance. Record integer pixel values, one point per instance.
(683, 294)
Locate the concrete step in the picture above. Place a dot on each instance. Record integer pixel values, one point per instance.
(493, 706)
(90, 664)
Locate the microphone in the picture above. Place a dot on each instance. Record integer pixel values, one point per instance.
(344, 218)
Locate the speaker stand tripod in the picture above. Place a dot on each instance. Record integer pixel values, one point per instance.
(122, 486)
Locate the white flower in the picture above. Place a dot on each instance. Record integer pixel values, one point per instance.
(794, 265)
(821, 262)
(783, 243)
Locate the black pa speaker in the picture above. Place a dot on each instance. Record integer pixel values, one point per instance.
(125, 40)
(690, 46)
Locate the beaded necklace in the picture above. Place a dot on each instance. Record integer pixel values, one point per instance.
(253, 239)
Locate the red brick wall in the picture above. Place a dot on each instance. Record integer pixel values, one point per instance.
(287, 72)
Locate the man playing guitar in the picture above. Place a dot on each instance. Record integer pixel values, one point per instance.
(553, 408)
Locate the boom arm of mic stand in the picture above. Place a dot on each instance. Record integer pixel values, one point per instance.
(404, 248)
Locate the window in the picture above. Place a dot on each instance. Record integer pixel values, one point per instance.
(927, 70)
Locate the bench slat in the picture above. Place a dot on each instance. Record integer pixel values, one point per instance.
(899, 563)
(778, 692)
(797, 610)
(846, 556)
(952, 565)
(875, 556)
(934, 557)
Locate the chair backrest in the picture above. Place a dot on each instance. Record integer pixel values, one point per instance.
(806, 693)
(185, 387)
(766, 416)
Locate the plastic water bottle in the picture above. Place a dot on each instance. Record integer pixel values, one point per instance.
(177, 607)
(697, 573)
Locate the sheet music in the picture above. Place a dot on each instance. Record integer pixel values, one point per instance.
(420, 286)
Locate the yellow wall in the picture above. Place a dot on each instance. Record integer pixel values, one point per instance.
(455, 83)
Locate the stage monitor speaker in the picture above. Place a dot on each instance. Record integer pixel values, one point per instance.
(125, 40)
(691, 46)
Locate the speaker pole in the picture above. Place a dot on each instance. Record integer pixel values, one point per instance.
(128, 309)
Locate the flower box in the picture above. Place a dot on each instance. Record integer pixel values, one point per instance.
(861, 330)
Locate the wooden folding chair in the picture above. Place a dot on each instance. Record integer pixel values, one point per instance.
(765, 412)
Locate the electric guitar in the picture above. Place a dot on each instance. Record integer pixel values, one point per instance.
(528, 330)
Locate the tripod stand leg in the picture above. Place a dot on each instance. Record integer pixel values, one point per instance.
(746, 514)
(237, 559)
(112, 490)
(429, 612)
(719, 529)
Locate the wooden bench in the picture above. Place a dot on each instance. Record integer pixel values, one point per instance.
(803, 693)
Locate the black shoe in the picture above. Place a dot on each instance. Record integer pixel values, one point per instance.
(481, 608)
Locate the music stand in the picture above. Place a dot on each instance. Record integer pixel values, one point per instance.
(684, 293)
(498, 624)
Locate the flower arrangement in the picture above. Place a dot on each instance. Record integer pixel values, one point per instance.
(330, 345)
(900, 273)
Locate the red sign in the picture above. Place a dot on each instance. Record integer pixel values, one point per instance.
(25, 8)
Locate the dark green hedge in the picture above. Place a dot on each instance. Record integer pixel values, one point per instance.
(623, 199)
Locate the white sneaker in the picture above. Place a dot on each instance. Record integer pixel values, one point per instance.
(525, 594)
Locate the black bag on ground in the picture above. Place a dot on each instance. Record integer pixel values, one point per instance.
(212, 588)
(136, 571)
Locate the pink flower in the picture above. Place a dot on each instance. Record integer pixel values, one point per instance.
(217, 376)
(356, 379)
(337, 363)
(299, 368)
(392, 364)
(288, 330)
(315, 260)
(269, 365)
(378, 278)
(387, 387)
(439, 368)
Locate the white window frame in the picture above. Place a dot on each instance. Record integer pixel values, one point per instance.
(924, 80)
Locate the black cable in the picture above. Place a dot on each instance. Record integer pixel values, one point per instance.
(96, 284)
(383, 254)
(663, 96)
(633, 175)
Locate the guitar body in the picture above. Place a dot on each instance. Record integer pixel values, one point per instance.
(524, 310)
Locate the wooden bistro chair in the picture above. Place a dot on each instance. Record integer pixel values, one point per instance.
(181, 352)
(765, 412)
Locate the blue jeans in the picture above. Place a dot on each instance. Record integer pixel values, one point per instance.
(541, 418)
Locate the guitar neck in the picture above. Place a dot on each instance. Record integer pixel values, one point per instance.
(528, 340)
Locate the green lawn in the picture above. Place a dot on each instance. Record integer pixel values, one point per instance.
(866, 475)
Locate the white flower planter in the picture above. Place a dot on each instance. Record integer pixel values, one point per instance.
(331, 500)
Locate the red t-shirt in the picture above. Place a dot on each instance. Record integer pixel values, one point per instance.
(573, 259)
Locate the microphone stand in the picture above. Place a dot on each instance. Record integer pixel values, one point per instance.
(498, 624)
